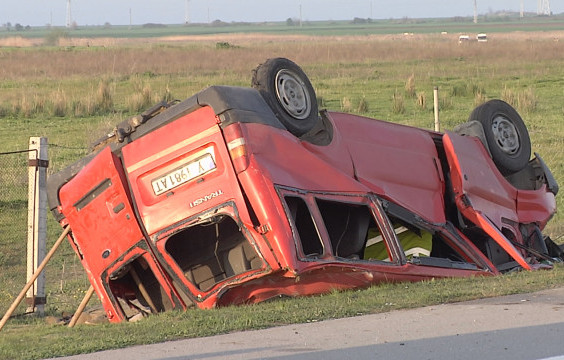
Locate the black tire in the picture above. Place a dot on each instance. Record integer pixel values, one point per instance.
(506, 135)
(287, 90)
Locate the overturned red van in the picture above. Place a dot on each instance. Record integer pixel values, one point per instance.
(238, 195)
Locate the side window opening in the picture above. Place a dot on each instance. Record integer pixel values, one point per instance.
(138, 290)
(347, 226)
(353, 232)
(424, 247)
(213, 251)
(310, 240)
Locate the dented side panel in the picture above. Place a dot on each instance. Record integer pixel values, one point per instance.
(397, 162)
(536, 206)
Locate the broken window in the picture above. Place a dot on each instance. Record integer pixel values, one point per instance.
(138, 290)
(428, 247)
(310, 241)
(352, 231)
(212, 251)
(349, 227)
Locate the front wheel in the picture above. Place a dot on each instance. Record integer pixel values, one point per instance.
(506, 135)
(287, 90)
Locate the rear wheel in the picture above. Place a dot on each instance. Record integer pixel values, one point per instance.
(506, 135)
(289, 93)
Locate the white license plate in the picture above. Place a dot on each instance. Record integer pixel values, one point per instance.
(183, 174)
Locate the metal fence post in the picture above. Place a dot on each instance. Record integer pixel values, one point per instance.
(37, 221)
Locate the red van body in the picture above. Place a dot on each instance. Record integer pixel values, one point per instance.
(212, 201)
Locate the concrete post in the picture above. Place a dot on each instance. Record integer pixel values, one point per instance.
(36, 221)
(436, 107)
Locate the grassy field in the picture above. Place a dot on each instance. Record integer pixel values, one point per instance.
(75, 94)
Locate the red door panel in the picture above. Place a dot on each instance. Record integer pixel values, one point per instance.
(482, 194)
(99, 211)
(105, 232)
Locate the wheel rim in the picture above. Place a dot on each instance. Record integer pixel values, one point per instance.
(505, 135)
(292, 94)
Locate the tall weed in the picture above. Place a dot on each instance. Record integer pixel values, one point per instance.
(139, 101)
(167, 94)
(410, 86)
(527, 100)
(479, 98)
(509, 96)
(58, 104)
(362, 105)
(421, 100)
(398, 104)
(445, 103)
(459, 90)
(346, 104)
(104, 98)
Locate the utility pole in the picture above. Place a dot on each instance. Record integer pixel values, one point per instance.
(543, 7)
(69, 16)
(522, 12)
(475, 12)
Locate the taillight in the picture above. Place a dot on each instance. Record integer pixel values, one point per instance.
(237, 146)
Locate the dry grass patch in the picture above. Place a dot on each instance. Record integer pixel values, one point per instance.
(421, 100)
(479, 98)
(398, 104)
(346, 104)
(362, 105)
(410, 86)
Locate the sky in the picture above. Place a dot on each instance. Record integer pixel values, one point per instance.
(122, 12)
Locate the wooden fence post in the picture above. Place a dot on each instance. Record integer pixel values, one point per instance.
(36, 221)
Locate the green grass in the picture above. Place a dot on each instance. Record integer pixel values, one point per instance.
(32, 339)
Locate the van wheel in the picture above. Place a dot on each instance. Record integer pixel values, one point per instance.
(506, 135)
(287, 90)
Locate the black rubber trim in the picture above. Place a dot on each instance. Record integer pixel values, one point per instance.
(92, 194)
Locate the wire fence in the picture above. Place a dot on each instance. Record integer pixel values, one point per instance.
(13, 223)
(66, 281)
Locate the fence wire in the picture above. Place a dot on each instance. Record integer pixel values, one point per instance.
(13, 223)
(66, 281)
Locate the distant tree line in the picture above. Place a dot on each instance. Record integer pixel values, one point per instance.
(356, 20)
(18, 27)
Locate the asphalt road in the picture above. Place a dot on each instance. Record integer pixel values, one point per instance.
(529, 326)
